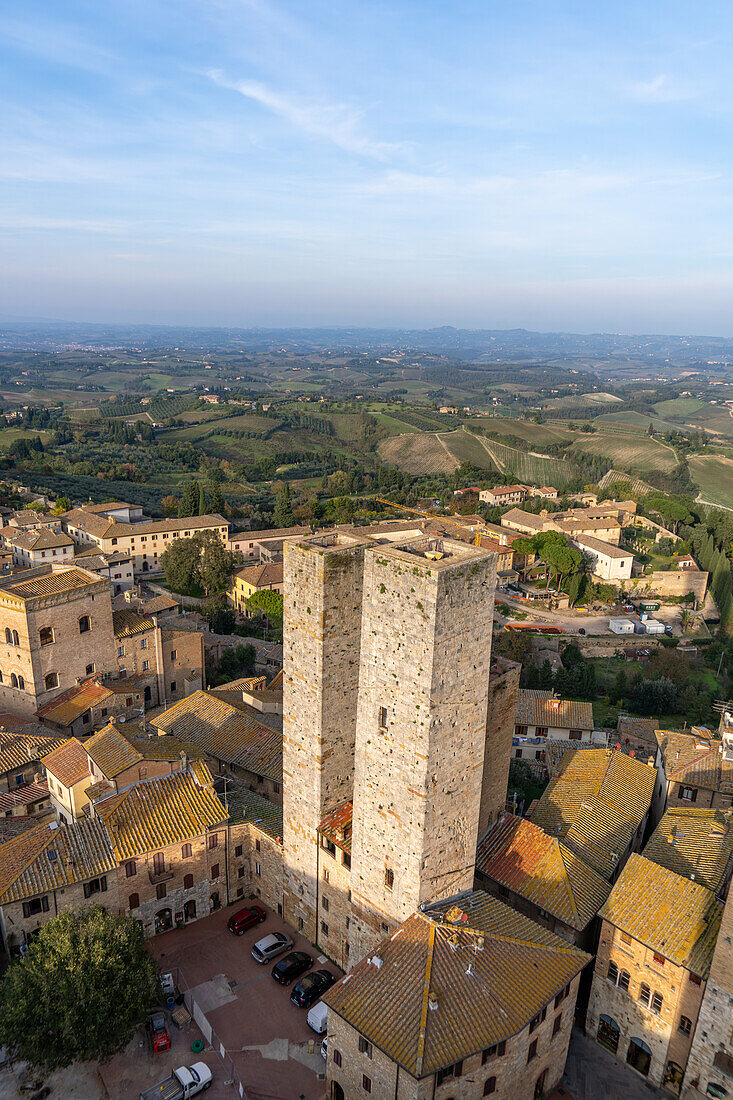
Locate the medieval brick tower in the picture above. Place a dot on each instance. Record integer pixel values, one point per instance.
(322, 627)
(421, 736)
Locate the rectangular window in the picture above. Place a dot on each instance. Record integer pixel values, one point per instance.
(388, 878)
(541, 731)
(498, 1050)
(346, 859)
(625, 937)
(160, 891)
(449, 1072)
(532, 1052)
(187, 851)
(689, 794)
(365, 1047)
(324, 928)
(240, 872)
(238, 850)
(120, 651)
(685, 1025)
(213, 841)
(143, 643)
(258, 868)
(695, 980)
(557, 1025)
(173, 655)
(535, 1023)
(366, 1083)
(326, 876)
(657, 1003)
(382, 718)
(174, 685)
(257, 846)
(130, 868)
(325, 903)
(158, 863)
(37, 905)
(146, 666)
(337, 1057)
(658, 959)
(575, 735)
(96, 886)
(215, 870)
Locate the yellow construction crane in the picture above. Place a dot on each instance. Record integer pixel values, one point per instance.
(429, 515)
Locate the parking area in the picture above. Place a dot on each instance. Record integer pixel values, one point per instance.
(276, 1054)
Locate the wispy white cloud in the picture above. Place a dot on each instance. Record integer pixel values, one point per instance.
(661, 89)
(334, 122)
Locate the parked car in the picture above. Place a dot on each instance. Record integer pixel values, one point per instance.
(269, 947)
(160, 1040)
(324, 1048)
(311, 988)
(291, 967)
(239, 922)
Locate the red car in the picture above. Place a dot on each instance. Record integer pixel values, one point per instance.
(160, 1040)
(246, 918)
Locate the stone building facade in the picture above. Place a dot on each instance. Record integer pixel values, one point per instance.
(710, 1063)
(322, 641)
(55, 629)
(502, 706)
(656, 942)
(421, 729)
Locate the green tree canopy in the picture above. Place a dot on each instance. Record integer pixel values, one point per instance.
(283, 514)
(180, 563)
(80, 992)
(267, 601)
(215, 564)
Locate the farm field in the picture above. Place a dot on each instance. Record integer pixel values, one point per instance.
(714, 475)
(246, 423)
(629, 452)
(393, 425)
(713, 418)
(466, 447)
(417, 453)
(680, 406)
(631, 419)
(538, 435)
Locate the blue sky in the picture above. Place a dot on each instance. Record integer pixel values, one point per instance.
(540, 163)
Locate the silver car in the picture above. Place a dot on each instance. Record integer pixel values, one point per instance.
(269, 947)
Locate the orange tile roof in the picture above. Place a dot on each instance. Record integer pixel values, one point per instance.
(51, 858)
(595, 805)
(127, 622)
(336, 826)
(553, 713)
(68, 763)
(521, 857)
(695, 843)
(160, 812)
(19, 749)
(71, 704)
(224, 732)
(697, 761)
(671, 915)
(47, 581)
(477, 1005)
(111, 752)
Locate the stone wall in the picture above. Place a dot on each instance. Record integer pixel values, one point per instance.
(334, 906)
(673, 582)
(713, 1035)
(322, 632)
(421, 732)
(15, 927)
(255, 866)
(500, 717)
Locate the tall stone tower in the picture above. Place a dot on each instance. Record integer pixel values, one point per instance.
(421, 729)
(323, 578)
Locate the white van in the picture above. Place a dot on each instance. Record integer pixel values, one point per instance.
(318, 1018)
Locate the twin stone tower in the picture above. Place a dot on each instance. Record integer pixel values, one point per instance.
(396, 734)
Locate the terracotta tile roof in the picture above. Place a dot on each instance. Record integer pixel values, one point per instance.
(19, 749)
(71, 704)
(107, 506)
(158, 604)
(525, 519)
(128, 622)
(224, 732)
(83, 520)
(671, 915)
(111, 752)
(606, 548)
(259, 536)
(28, 517)
(47, 858)
(477, 1007)
(697, 761)
(336, 826)
(44, 580)
(595, 805)
(68, 763)
(553, 713)
(42, 538)
(520, 856)
(24, 796)
(572, 524)
(153, 814)
(637, 729)
(152, 746)
(694, 843)
(193, 523)
(246, 805)
(261, 576)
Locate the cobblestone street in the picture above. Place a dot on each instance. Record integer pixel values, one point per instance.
(592, 1073)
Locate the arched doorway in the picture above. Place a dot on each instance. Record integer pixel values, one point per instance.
(539, 1088)
(145, 567)
(337, 1093)
(639, 1056)
(189, 910)
(163, 920)
(608, 1033)
(673, 1075)
(214, 901)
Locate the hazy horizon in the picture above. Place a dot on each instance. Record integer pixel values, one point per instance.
(247, 163)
